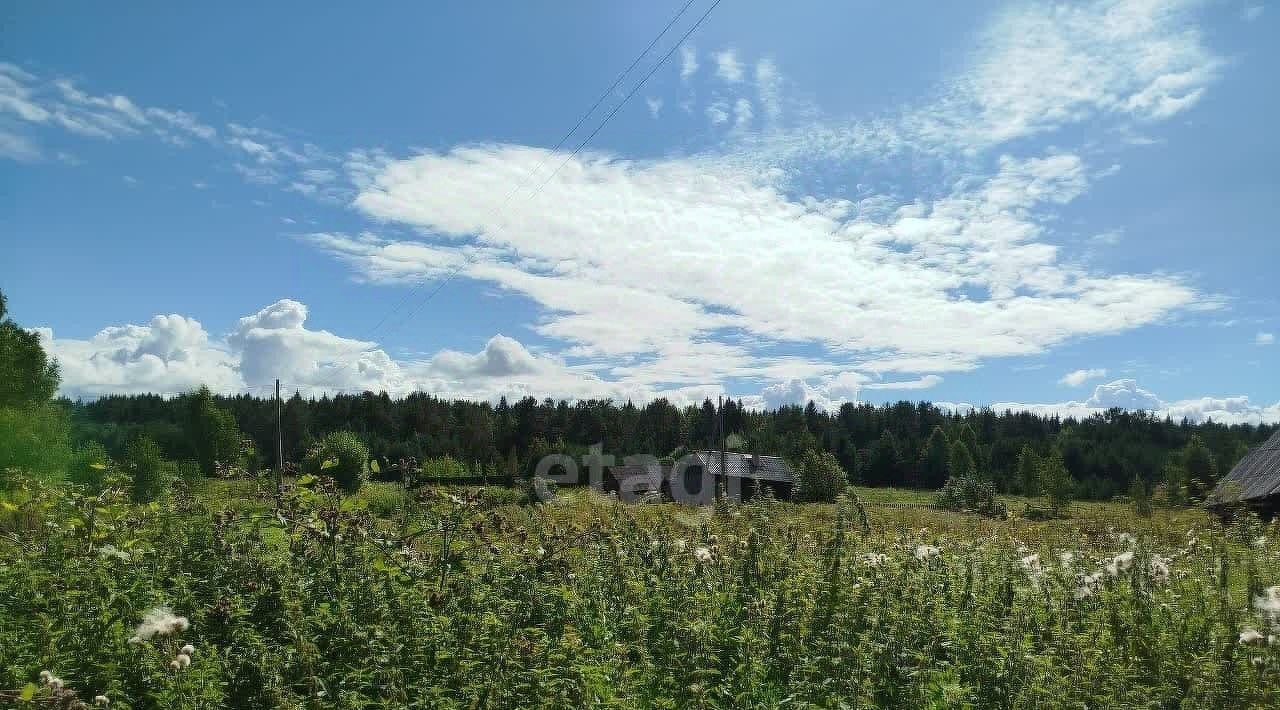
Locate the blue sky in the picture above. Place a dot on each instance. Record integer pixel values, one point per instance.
(1059, 208)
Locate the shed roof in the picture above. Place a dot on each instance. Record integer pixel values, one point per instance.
(1256, 476)
(764, 468)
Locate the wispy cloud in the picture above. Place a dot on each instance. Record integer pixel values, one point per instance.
(1076, 378)
(1264, 339)
(728, 67)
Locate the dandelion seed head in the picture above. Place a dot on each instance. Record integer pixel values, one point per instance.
(874, 559)
(183, 660)
(189, 650)
(702, 554)
(174, 665)
(1120, 564)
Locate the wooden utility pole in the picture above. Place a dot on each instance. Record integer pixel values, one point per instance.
(279, 442)
(720, 431)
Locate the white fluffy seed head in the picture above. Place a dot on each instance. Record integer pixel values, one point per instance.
(160, 621)
(101, 700)
(189, 650)
(174, 665)
(1250, 637)
(183, 660)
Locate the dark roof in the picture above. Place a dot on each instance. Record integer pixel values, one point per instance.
(653, 471)
(1256, 476)
(763, 468)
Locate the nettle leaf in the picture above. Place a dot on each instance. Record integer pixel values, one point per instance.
(98, 466)
(328, 464)
(373, 466)
(28, 692)
(306, 480)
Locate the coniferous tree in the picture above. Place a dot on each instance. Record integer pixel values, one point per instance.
(1055, 482)
(959, 460)
(1202, 470)
(933, 459)
(1028, 471)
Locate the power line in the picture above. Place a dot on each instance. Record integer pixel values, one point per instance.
(559, 144)
(458, 269)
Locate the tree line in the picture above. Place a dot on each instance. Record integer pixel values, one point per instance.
(912, 444)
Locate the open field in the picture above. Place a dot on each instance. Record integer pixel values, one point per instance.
(462, 600)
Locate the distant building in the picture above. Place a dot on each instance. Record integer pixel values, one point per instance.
(742, 477)
(1254, 482)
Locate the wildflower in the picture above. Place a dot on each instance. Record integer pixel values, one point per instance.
(189, 650)
(1126, 539)
(542, 551)
(183, 660)
(160, 621)
(874, 559)
(1031, 563)
(1250, 637)
(1269, 602)
(1120, 564)
(1088, 585)
(926, 552)
(101, 700)
(702, 554)
(111, 551)
(1066, 558)
(45, 677)
(1160, 568)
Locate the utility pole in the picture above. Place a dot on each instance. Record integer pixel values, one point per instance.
(720, 431)
(279, 442)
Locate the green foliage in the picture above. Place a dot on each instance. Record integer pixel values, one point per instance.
(342, 456)
(592, 603)
(1140, 496)
(28, 378)
(150, 475)
(1055, 482)
(35, 440)
(960, 461)
(933, 459)
(1200, 467)
(90, 466)
(970, 493)
(1028, 472)
(211, 432)
(1175, 483)
(885, 463)
(820, 477)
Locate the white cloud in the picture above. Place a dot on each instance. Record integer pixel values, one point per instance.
(1251, 13)
(769, 88)
(1126, 394)
(1264, 338)
(1075, 378)
(953, 280)
(654, 104)
(688, 62)
(728, 67)
(742, 114)
(1037, 68)
(718, 112)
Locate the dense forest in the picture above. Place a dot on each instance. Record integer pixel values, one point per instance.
(886, 445)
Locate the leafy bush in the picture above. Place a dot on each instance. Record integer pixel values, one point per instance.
(819, 477)
(89, 466)
(35, 440)
(212, 432)
(342, 456)
(970, 493)
(149, 473)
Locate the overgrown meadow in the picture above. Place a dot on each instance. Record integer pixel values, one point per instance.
(225, 596)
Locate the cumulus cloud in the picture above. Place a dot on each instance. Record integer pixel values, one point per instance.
(1264, 338)
(1075, 378)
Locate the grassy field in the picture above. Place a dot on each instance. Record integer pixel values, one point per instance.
(460, 597)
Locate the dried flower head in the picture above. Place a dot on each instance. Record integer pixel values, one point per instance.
(189, 650)
(1251, 637)
(183, 660)
(160, 621)
(926, 552)
(1120, 564)
(101, 700)
(702, 554)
